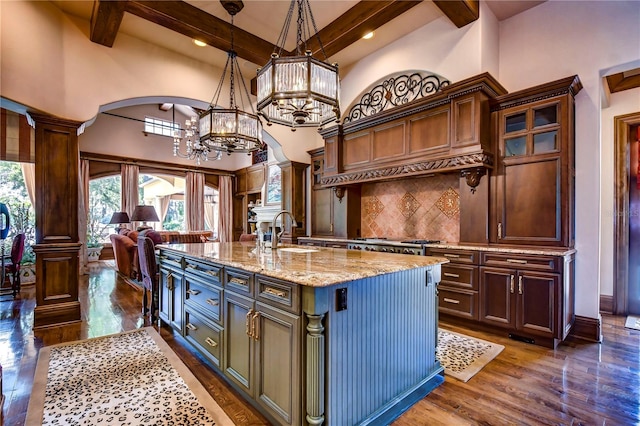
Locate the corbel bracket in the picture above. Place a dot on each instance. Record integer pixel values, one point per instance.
(473, 177)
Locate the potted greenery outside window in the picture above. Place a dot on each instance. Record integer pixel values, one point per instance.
(28, 265)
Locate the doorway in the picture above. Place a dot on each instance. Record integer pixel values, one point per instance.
(626, 289)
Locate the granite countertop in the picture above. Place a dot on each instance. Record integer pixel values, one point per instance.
(549, 251)
(314, 267)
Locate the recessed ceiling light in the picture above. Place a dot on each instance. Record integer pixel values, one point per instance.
(199, 43)
(368, 36)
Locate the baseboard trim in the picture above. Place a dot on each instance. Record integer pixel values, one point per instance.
(606, 303)
(586, 328)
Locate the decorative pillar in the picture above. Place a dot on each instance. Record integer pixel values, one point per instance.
(315, 369)
(57, 243)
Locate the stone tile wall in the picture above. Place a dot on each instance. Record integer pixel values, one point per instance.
(424, 208)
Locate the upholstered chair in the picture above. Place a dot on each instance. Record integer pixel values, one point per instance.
(13, 268)
(149, 272)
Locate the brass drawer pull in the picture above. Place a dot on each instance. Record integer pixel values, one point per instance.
(520, 284)
(511, 285)
(518, 261)
(214, 273)
(256, 325)
(455, 302)
(193, 292)
(273, 291)
(169, 284)
(449, 274)
(454, 256)
(213, 302)
(192, 266)
(239, 281)
(211, 342)
(248, 325)
(191, 327)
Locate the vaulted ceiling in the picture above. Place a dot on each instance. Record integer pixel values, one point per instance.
(341, 24)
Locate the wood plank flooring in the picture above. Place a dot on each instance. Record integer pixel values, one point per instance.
(578, 383)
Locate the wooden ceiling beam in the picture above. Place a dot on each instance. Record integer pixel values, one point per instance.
(460, 12)
(106, 18)
(192, 22)
(364, 17)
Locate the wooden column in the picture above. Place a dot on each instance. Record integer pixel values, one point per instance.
(57, 243)
(294, 197)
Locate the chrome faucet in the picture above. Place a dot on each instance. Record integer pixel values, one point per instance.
(276, 236)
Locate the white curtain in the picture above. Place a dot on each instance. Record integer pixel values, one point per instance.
(225, 226)
(83, 213)
(161, 204)
(129, 194)
(194, 201)
(29, 175)
(210, 216)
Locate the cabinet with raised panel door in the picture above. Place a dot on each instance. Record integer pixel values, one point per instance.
(528, 295)
(170, 291)
(534, 174)
(262, 342)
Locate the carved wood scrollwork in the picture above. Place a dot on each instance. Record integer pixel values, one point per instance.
(473, 176)
(339, 191)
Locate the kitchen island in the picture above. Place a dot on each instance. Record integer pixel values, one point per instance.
(309, 335)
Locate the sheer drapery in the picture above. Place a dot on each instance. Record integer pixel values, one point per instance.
(194, 201)
(225, 216)
(83, 213)
(29, 175)
(129, 197)
(210, 213)
(161, 204)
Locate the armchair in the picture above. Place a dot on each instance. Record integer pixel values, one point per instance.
(12, 269)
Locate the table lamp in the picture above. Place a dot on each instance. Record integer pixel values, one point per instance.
(119, 218)
(144, 214)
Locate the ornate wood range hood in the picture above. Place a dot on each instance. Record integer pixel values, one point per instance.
(445, 131)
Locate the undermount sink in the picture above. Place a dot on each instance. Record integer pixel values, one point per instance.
(298, 250)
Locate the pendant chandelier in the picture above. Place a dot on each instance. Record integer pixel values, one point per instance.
(225, 129)
(299, 91)
(195, 150)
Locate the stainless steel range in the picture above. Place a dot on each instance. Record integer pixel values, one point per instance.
(384, 245)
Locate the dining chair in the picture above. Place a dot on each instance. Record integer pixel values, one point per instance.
(149, 272)
(12, 269)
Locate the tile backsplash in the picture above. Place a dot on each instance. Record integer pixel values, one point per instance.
(423, 208)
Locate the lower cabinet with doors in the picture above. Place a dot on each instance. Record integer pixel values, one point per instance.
(528, 294)
(170, 290)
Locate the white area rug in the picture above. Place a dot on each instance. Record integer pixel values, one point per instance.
(463, 356)
(632, 322)
(132, 378)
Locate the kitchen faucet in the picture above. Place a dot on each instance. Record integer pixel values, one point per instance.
(275, 236)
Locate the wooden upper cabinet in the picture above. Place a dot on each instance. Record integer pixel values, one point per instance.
(534, 182)
(255, 178)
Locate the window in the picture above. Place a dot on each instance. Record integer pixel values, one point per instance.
(160, 127)
(104, 200)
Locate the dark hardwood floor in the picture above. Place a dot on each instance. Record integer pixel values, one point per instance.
(578, 383)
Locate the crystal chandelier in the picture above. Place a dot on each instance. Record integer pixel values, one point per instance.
(231, 129)
(299, 91)
(195, 150)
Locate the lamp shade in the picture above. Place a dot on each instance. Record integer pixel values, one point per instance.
(144, 214)
(119, 217)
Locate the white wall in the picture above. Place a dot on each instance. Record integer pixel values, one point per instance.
(561, 38)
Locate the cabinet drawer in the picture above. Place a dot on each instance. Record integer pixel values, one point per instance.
(461, 276)
(203, 270)
(171, 259)
(532, 262)
(204, 296)
(280, 294)
(310, 243)
(457, 256)
(204, 335)
(238, 281)
(461, 303)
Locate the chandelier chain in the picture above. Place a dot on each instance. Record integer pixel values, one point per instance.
(315, 31)
(284, 32)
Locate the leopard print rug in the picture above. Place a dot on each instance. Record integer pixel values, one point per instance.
(463, 356)
(125, 379)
